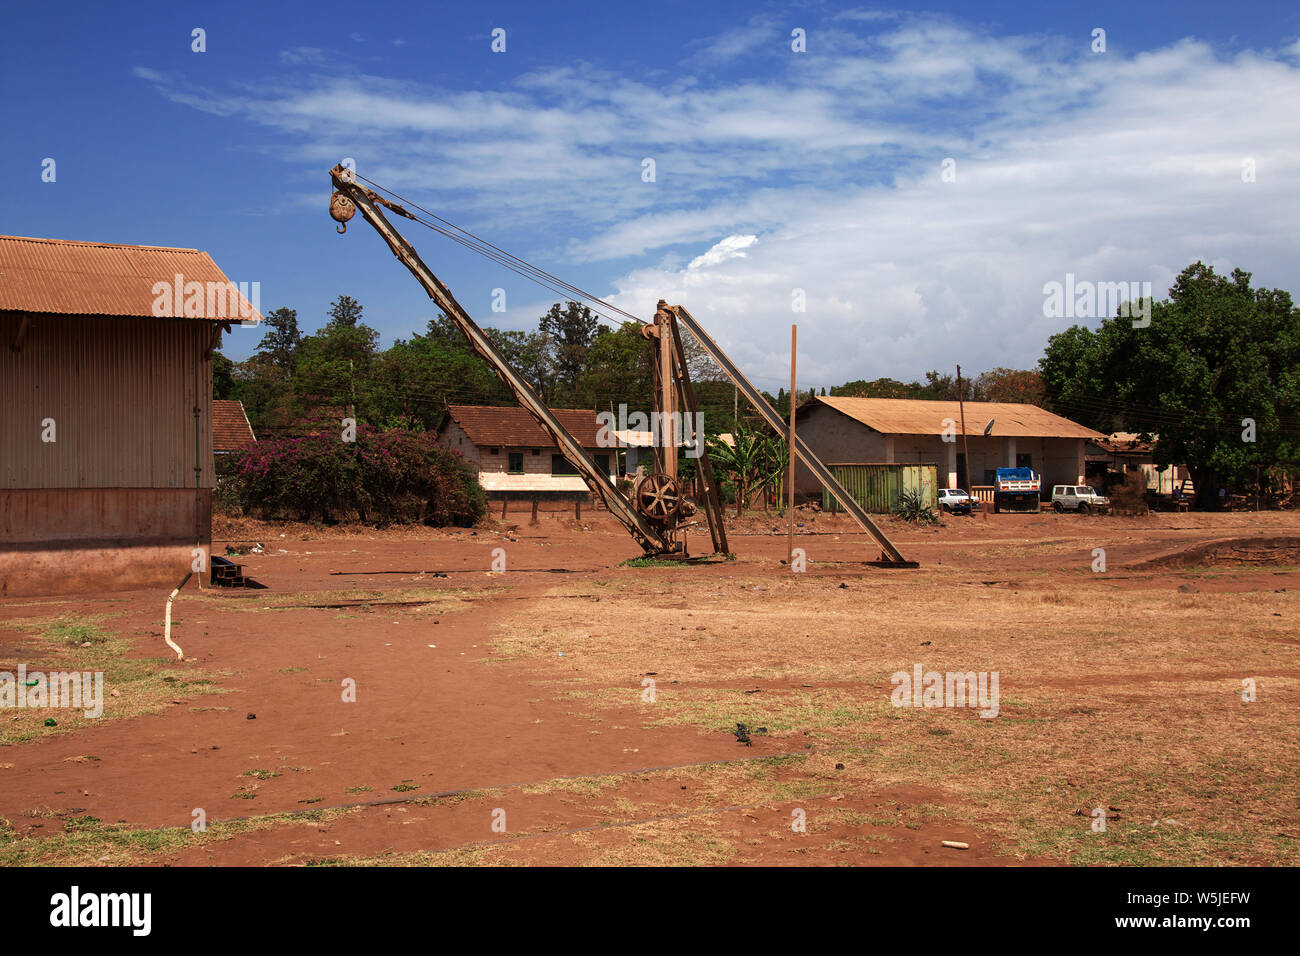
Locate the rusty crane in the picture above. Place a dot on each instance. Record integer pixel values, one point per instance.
(655, 509)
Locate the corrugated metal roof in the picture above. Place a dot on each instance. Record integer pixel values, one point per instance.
(907, 416)
(68, 277)
(515, 427)
(231, 430)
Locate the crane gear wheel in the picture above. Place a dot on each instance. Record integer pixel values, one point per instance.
(657, 496)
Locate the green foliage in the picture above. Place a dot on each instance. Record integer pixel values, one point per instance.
(912, 507)
(345, 312)
(224, 385)
(1216, 353)
(757, 458)
(383, 477)
(618, 362)
(279, 346)
(570, 331)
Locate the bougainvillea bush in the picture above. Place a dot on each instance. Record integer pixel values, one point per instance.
(384, 477)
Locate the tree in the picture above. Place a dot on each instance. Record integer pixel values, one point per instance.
(1216, 375)
(416, 379)
(880, 388)
(223, 377)
(345, 311)
(1009, 385)
(743, 461)
(570, 331)
(280, 343)
(617, 370)
(333, 366)
(944, 387)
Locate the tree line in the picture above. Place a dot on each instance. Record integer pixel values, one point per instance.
(570, 359)
(1213, 377)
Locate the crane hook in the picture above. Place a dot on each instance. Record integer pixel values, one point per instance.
(341, 210)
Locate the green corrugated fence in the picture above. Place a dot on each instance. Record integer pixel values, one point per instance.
(877, 487)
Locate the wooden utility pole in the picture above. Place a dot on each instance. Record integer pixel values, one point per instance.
(794, 344)
(961, 405)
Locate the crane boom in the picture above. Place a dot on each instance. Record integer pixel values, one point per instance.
(646, 534)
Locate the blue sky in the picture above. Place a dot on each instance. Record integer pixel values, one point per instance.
(774, 170)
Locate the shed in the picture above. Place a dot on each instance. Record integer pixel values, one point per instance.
(106, 468)
(918, 431)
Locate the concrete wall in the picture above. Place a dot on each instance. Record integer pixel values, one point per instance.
(73, 540)
(835, 438)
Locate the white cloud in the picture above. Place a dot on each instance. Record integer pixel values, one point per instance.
(1112, 167)
(730, 248)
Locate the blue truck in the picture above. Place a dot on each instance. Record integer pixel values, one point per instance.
(1017, 489)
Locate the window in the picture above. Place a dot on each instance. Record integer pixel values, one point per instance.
(516, 466)
(602, 462)
(562, 466)
(1024, 461)
(494, 451)
(537, 451)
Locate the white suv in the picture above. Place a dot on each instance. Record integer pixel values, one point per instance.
(1080, 498)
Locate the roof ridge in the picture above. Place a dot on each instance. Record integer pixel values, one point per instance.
(90, 242)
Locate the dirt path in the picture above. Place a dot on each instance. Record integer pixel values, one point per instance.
(446, 719)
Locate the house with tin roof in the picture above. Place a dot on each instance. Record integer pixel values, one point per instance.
(106, 441)
(843, 430)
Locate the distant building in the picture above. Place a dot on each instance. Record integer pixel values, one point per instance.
(106, 467)
(231, 430)
(1122, 452)
(515, 458)
(900, 430)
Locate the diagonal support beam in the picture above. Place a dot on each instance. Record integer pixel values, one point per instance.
(597, 480)
(805, 454)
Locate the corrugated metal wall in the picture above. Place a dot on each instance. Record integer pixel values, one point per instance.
(878, 487)
(121, 393)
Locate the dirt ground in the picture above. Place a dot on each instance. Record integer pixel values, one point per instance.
(571, 709)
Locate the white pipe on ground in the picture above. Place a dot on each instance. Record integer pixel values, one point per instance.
(167, 629)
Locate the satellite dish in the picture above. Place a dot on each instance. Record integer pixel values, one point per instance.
(989, 427)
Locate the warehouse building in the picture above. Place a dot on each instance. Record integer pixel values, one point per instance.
(106, 468)
(911, 431)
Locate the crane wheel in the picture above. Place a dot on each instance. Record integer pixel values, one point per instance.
(657, 496)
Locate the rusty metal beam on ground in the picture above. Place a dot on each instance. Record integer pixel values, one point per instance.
(891, 554)
(598, 481)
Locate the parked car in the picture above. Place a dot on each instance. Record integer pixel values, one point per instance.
(1080, 498)
(955, 501)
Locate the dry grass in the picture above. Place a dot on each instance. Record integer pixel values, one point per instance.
(1116, 697)
(131, 686)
